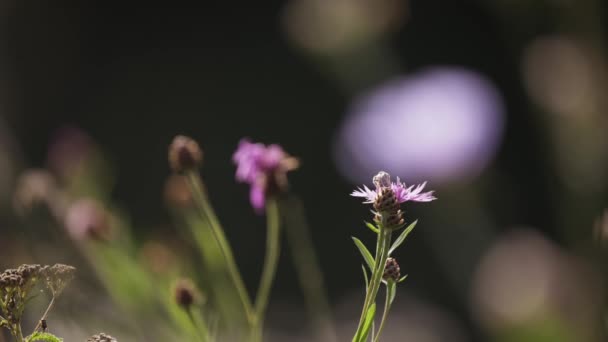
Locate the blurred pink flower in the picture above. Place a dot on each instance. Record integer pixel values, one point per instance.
(264, 168)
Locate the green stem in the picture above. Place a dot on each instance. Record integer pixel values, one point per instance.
(18, 333)
(270, 263)
(199, 325)
(208, 213)
(384, 240)
(387, 307)
(46, 312)
(308, 270)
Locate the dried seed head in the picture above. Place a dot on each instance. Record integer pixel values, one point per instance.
(101, 337)
(184, 154)
(57, 277)
(386, 201)
(186, 293)
(391, 270)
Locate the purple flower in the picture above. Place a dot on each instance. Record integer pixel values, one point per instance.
(402, 192)
(264, 168)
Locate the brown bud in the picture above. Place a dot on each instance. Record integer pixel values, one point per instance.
(185, 293)
(101, 337)
(386, 201)
(391, 270)
(394, 220)
(184, 154)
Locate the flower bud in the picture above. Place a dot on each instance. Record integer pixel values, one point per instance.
(391, 270)
(87, 218)
(101, 337)
(184, 154)
(186, 293)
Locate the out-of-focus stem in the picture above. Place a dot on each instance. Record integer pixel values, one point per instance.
(199, 325)
(270, 264)
(208, 213)
(387, 307)
(307, 268)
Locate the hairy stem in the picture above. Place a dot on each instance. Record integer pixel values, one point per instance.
(233, 271)
(270, 263)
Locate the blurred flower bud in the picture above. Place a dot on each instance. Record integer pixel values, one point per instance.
(87, 219)
(157, 257)
(34, 187)
(184, 154)
(186, 294)
(68, 151)
(101, 337)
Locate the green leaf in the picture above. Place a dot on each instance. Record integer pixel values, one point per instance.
(366, 279)
(402, 237)
(372, 227)
(391, 288)
(402, 278)
(367, 324)
(43, 336)
(369, 259)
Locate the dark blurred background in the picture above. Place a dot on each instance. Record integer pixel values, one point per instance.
(295, 72)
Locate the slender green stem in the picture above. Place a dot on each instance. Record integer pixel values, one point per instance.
(46, 312)
(387, 307)
(199, 325)
(208, 213)
(18, 333)
(308, 270)
(376, 279)
(270, 262)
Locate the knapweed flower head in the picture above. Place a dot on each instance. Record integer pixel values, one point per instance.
(264, 168)
(401, 192)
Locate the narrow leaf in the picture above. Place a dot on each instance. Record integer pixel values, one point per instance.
(43, 336)
(391, 288)
(367, 324)
(366, 279)
(372, 227)
(402, 278)
(402, 237)
(369, 259)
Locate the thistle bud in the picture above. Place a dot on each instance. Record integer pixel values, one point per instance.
(386, 201)
(101, 337)
(184, 154)
(394, 220)
(391, 270)
(186, 293)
